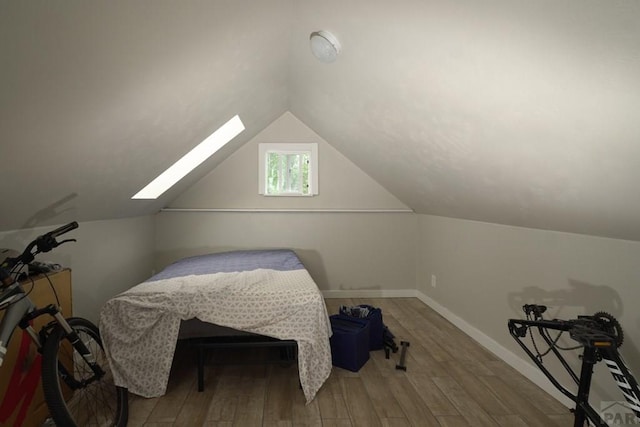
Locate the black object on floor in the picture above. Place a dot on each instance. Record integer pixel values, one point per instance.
(403, 353)
(388, 341)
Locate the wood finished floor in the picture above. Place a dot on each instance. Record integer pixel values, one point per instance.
(451, 381)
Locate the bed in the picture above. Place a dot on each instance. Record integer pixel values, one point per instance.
(264, 292)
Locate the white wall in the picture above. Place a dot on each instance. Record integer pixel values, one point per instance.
(486, 272)
(108, 257)
(343, 251)
(234, 183)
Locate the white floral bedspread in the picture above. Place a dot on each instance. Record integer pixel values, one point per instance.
(139, 327)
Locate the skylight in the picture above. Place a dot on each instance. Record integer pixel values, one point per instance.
(192, 159)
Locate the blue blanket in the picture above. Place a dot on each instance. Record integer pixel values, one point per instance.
(228, 262)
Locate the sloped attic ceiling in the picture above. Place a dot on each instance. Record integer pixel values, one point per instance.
(512, 112)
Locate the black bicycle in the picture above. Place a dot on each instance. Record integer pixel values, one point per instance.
(76, 378)
(600, 336)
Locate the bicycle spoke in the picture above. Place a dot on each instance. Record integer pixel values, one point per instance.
(93, 399)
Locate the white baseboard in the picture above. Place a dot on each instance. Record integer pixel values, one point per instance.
(370, 293)
(526, 369)
(529, 371)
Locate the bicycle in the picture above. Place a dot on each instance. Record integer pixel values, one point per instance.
(76, 378)
(600, 335)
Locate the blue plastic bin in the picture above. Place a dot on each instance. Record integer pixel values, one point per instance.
(349, 342)
(375, 326)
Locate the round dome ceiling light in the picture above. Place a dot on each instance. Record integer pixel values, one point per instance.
(325, 46)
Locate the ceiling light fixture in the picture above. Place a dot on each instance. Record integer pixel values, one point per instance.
(325, 46)
(192, 159)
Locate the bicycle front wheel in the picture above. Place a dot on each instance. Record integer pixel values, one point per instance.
(75, 394)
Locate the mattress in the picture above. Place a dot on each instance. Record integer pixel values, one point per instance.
(267, 292)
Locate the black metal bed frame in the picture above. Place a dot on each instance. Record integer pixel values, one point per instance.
(288, 349)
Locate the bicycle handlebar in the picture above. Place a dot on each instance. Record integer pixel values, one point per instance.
(43, 243)
(64, 229)
(48, 241)
(598, 330)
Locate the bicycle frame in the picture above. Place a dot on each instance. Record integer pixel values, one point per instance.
(597, 346)
(19, 308)
(20, 313)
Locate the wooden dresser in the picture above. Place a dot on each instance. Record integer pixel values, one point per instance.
(21, 364)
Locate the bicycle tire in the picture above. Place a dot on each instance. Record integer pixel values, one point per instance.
(73, 403)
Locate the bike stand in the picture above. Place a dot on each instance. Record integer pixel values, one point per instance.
(403, 353)
(589, 359)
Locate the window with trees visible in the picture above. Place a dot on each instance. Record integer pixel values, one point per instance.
(288, 169)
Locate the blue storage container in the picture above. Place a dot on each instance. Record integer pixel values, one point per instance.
(349, 342)
(376, 326)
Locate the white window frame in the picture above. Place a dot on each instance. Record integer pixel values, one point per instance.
(310, 148)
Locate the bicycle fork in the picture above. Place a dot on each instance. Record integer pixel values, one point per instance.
(81, 347)
(71, 335)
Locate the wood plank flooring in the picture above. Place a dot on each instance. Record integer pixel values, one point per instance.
(451, 381)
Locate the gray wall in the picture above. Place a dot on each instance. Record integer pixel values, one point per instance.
(343, 251)
(486, 272)
(234, 183)
(109, 257)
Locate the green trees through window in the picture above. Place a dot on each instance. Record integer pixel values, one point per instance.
(288, 169)
(287, 173)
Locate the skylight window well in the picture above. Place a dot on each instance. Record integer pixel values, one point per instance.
(192, 159)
